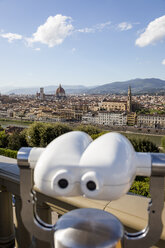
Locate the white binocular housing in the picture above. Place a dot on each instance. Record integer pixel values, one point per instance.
(73, 164)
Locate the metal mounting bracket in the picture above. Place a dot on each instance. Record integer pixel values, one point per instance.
(145, 238)
(151, 234)
(31, 220)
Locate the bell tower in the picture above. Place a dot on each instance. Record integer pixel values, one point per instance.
(129, 100)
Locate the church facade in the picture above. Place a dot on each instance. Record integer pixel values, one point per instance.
(113, 105)
(59, 94)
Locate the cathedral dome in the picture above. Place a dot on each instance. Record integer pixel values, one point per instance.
(60, 91)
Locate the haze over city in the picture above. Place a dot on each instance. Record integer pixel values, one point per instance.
(80, 42)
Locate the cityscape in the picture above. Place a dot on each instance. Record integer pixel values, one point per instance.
(82, 124)
(110, 110)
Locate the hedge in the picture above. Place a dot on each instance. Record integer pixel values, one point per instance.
(140, 188)
(8, 153)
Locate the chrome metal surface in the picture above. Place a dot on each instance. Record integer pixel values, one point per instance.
(35, 226)
(32, 222)
(79, 228)
(10, 178)
(88, 228)
(23, 155)
(6, 220)
(151, 234)
(158, 164)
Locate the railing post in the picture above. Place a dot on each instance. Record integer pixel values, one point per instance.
(6, 220)
(23, 238)
(39, 231)
(44, 213)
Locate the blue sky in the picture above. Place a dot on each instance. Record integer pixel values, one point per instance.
(89, 42)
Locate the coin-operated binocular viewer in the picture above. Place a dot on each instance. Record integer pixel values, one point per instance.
(73, 165)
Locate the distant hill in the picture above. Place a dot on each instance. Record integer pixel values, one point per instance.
(69, 89)
(138, 86)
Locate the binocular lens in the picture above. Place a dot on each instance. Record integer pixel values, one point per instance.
(91, 185)
(63, 183)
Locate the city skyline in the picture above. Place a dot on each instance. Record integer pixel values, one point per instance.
(79, 42)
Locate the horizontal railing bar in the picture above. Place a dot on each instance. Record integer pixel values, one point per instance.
(10, 179)
(9, 175)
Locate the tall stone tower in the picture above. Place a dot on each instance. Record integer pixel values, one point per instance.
(129, 100)
(42, 93)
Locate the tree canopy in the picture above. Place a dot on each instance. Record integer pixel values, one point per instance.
(17, 140)
(144, 145)
(41, 134)
(163, 142)
(89, 129)
(3, 139)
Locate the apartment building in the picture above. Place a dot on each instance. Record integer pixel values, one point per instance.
(152, 121)
(106, 118)
(131, 118)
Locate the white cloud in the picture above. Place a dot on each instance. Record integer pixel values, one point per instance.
(11, 36)
(98, 27)
(154, 32)
(124, 26)
(86, 30)
(37, 49)
(163, 62)
(73, 49)
(53, 32)
(102, 26)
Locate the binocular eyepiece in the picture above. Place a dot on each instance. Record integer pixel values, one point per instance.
(102, 169)
(88, 183)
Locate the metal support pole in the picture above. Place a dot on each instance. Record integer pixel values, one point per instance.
(44, 213)
(151, 234)
(6, 220)
(23, 237)
(42, 233)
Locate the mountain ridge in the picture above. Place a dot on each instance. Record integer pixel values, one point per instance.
(138, 86)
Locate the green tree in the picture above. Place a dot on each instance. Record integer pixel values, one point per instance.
(89, 129)
(14, 141)
(8, 153)
(1, 128)
(17, 140)
(33, 134)
(52, 131)
(140, 145)
(95, 136)
(3, 139)
(41, 134)
(140, 188)
(144, 145)
(141, 184)
(22, 136)
(163, 142)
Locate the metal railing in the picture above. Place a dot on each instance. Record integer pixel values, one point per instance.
(12, 230)
(15, 234)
